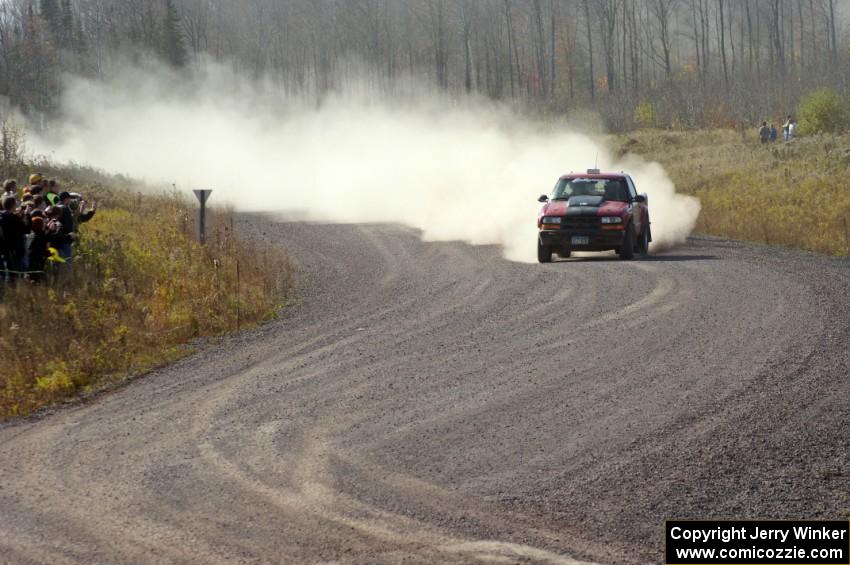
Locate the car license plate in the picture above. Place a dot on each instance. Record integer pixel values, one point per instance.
(580, 240)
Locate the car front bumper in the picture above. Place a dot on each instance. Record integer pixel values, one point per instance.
(598, 239)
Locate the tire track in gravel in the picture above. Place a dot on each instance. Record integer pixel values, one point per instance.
(432, 402)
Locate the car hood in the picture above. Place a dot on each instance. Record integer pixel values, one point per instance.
(583, 206)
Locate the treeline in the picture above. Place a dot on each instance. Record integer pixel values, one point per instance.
(667, 63)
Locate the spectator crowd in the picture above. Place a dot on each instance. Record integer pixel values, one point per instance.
(38, 227)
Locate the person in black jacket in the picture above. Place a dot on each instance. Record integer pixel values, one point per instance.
(3, 266)
(73, 214)
(45, 234)
(56, 236)
(77, 206)
(14, 230)
(36, 243)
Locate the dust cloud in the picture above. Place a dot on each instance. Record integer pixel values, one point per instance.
(457, 169)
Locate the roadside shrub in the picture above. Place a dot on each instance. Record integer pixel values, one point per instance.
(645, 114)
(140, 289)
(823, 111)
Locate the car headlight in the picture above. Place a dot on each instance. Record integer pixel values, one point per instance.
(612, 220)
(551, 220)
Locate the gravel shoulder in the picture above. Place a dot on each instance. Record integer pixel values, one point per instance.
(432, 402)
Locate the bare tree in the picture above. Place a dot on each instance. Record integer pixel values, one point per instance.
(661, 11)
(684, 55)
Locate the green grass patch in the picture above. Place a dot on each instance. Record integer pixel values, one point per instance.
(792, 194)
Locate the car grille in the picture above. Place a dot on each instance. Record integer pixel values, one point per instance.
(580, 222)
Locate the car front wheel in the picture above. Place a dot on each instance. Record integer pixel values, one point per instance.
(627, 249)
(643, 243)
(544, 253)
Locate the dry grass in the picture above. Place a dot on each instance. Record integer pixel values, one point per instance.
(793, 194)
(139, 290)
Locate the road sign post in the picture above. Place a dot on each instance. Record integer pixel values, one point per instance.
(202, 196)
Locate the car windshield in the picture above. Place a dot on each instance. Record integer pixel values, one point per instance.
(608, 189)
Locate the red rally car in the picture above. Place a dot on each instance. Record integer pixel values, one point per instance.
(593, 212)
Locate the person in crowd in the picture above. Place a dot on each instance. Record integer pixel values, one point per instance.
(46, 241)
(66, 226)
(764, 132)
(66, 217)
(36, 249)
(36, 184)
(53, 220)
(51, 195)
(10, 188)
(26, 209)
(772, 133)
(38, 203)
(76, 209)
(57, 237)
(14, 230)
(3, 266)
(792, 129)
(72, 213)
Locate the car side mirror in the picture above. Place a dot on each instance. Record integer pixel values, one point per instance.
(543, 198)
(639, 198)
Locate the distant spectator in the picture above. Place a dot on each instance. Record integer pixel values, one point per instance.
(786, 129)
(764, 133)
(772, 133)
(792, 129)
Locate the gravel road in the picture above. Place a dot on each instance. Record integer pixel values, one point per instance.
(432, 402)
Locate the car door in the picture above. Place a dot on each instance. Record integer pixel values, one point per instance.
(635, 208)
